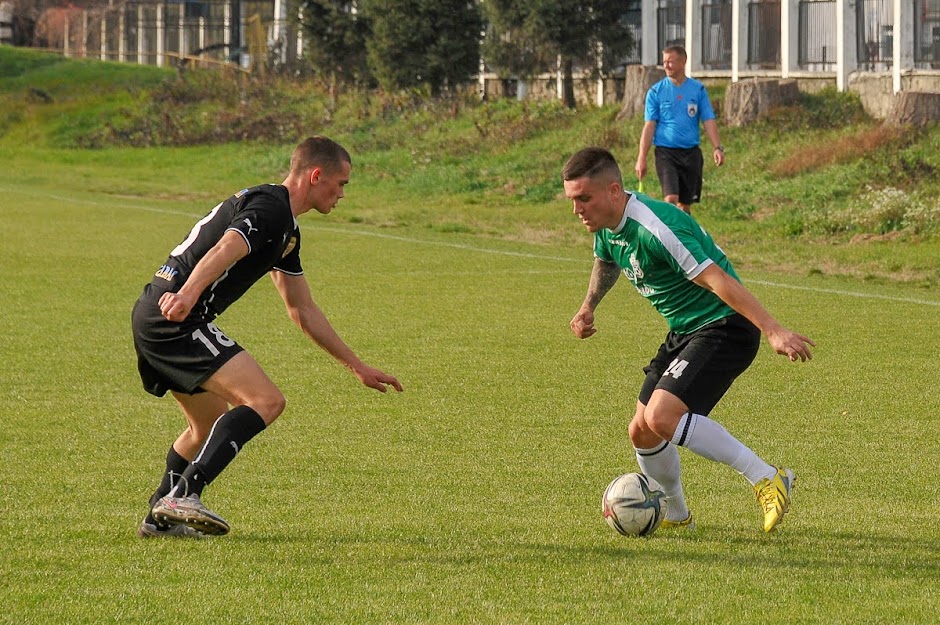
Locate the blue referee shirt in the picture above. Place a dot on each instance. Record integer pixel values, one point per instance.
(677, 112)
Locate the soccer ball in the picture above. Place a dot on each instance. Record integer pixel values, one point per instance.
(633, 505)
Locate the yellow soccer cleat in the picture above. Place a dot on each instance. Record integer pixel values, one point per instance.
(687, 524)
(773, 495)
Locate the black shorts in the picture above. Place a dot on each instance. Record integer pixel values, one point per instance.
(680, 172)
(175, 356)
(699, 368)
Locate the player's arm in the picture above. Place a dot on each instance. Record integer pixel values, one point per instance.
(231, 248)
(784, 341)
(711, 130)
(304, 312)
(646, 141)
(603, 277)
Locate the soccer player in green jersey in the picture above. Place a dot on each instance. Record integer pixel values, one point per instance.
(714, 322)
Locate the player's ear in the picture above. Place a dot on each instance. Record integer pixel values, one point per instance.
(615, 189)
(315, 175)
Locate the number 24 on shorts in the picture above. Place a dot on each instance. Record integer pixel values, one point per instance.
(676, 368)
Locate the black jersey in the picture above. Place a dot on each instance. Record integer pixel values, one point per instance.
(263, 217)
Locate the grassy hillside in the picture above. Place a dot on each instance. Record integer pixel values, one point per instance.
(816, 189)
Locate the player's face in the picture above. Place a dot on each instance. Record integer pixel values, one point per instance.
(328, 186)
(595, 202)
(674, 65)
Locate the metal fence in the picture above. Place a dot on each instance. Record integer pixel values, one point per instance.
(763, 34)
(875, 34)
(155, 33)
(670, 23)
(716, 34)
(927, 33)
(817, 35)
(633, 19)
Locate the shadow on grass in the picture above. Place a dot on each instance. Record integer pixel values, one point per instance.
(794, 550)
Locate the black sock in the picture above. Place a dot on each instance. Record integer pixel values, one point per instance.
(175, 466)
(229, 434)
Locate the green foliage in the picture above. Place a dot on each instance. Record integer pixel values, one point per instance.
(828, 108)
(880, 211)
(335, 40)
(18, 61)
(525, 37)
(432, 44)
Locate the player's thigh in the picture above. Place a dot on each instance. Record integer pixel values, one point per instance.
(201, 409)
(707, 364)
(242, 381)
(690, 176)
(667, 171)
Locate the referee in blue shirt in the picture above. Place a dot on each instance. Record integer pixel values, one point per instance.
(674, 107)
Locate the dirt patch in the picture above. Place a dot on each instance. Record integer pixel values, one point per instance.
(875, 238)
(847, 149)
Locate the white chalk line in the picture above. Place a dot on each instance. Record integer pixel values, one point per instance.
(473, 248)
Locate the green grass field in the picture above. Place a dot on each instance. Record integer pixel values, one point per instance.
(474, 496)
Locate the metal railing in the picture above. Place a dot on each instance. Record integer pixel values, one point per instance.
(670, 23)
(817, 35)
(763, 34)
(716, 34)
(927, 33)
(875, 34)
(155, 33)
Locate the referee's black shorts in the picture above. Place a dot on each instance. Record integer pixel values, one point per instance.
(680, 172)
(699, 368)
(175, 356)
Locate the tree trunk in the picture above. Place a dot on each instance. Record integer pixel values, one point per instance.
(915, 108)
(749, 100)
(567, 83)
(638, 80)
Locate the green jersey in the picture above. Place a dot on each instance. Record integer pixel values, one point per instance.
(661, 249)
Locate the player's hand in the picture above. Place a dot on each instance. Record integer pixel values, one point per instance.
(719, 157)
(175, 307)
(791, 344)
(377, 379)
(583, 324)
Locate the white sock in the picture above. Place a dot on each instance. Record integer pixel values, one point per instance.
(662, 464)
(710, 440)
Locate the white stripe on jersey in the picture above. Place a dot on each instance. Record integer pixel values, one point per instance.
(641, 213)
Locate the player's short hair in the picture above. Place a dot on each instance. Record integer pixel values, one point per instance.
(318, 152)
(680, 50)
(593, 162)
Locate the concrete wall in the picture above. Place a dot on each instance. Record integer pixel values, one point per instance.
(876, 90)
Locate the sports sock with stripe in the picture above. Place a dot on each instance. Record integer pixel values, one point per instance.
(175, 466)
(228, 435)
(662, 464)
(710, 440)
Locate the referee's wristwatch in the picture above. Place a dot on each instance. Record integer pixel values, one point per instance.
(719, 148)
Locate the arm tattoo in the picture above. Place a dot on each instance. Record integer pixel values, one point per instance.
(603, 277)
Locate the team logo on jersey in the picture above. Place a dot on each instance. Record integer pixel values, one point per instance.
(692, 107)
(166, 272)
(290, 246)
(635, 275)
(241, 193)
(250, 227)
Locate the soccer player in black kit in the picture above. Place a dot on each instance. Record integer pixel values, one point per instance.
(225, 395)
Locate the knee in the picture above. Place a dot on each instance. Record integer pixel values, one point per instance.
(270, 406)
(661, 422)
(641, 435)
